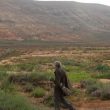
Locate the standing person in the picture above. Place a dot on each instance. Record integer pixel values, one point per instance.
(61, 82)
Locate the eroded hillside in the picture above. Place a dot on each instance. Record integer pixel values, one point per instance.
(54, 21)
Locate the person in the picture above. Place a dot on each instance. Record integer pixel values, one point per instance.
(61, 81)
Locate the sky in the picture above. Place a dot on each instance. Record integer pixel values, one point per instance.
(105, 2)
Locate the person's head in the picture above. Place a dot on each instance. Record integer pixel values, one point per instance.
(57, 64)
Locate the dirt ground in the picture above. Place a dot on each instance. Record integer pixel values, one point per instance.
(93, 105)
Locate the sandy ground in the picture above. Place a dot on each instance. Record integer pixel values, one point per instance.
(104, 80)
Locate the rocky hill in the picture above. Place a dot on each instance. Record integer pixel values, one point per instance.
(54, 21)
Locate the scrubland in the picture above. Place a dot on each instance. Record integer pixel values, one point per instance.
(25, 75)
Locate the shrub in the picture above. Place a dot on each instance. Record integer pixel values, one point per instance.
(38, 92)
(102, 68)
(19, 78)
(97, 89)
(85, 83)
(96, 93)
(38, 76)
(105, 94)
(7, 86)
(91, 88)
(13, 102)
(33, 78)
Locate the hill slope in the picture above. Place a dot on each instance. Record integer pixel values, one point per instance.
(54, 21)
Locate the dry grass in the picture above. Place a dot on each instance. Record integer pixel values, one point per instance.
(36, 64)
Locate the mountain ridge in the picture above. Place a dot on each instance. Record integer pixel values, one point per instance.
(54, 21)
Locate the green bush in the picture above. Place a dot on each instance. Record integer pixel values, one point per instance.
(14, 102)
(38, 92)
(102, 68)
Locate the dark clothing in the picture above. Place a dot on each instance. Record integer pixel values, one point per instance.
(60, 81)
(60, 77)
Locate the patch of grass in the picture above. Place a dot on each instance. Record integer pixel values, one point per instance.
(77, 77)
(26, 67)
(69, 68)
(33, 78)
(39, 76)
(102, 68)
(102, 75)
(3, 74)
(77, 92)
(14, 102)
(38, 92)
(5, 68)
(7, 86)
(68, 62)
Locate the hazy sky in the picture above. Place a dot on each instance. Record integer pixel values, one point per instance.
(105, 2)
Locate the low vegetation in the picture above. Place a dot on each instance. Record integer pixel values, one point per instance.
(31, 76)
(38, 92)
(102, 76)
(97, 89)
(14, 102)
